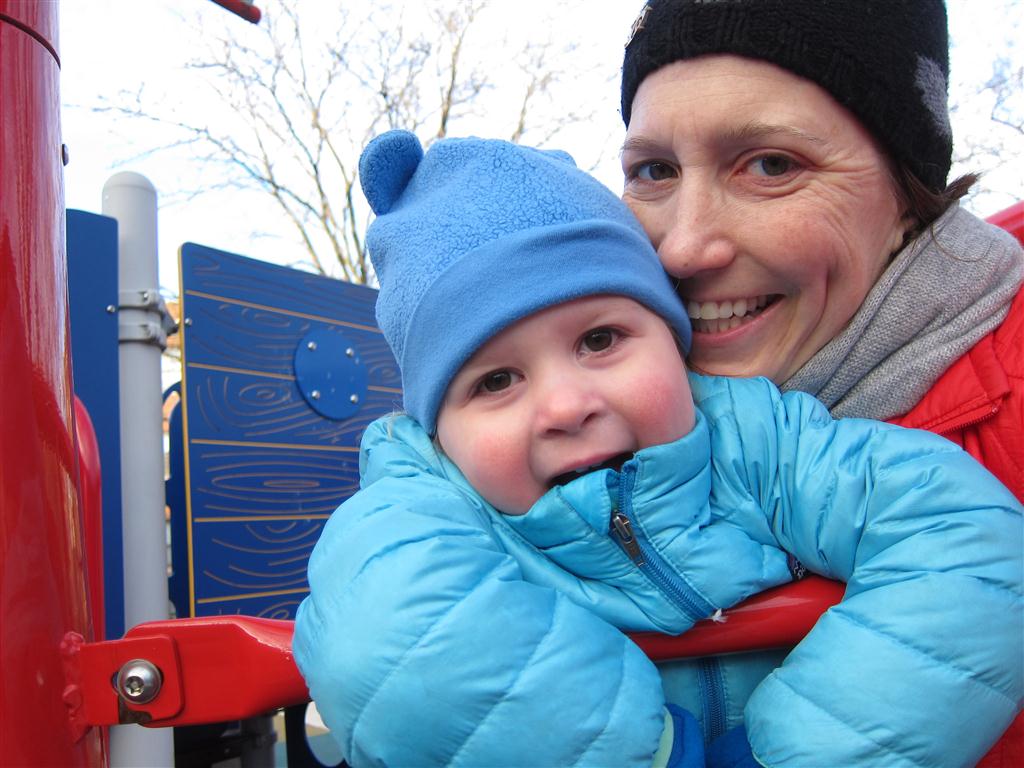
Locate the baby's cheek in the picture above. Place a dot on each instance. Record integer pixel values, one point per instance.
(664, 409)
(499, 472)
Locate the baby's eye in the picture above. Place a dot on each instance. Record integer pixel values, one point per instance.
(772, 165)
(652, 171)
(496, 381)
(598, 339)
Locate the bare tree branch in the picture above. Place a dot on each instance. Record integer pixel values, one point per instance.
(298, 103)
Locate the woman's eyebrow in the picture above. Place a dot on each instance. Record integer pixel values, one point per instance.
(746, 132)
(639, 144)
(758, 130)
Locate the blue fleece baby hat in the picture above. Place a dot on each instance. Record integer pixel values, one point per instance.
(477, 234)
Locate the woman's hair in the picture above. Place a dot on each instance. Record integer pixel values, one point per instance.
(922, 204)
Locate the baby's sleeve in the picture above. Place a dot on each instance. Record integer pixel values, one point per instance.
(921, 663)
(422, 644)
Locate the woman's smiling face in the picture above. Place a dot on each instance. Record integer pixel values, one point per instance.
(769, 202)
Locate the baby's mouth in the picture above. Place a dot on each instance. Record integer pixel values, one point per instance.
(615, 462)
(721, 316)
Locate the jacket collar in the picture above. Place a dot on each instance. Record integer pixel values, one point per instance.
(971, 390)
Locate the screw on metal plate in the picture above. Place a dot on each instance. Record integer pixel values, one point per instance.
(188, 321)
(111, 309)
(311, 346)
(349, 352)
(315, 394)
(353, 398)
(138, 681)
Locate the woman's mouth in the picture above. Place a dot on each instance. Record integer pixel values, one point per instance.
(721, 316)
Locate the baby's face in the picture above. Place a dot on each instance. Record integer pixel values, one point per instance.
(579, 385)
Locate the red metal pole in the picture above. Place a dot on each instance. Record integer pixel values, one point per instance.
(42, 579)
(246, 10)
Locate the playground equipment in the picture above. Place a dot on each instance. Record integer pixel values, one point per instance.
(64, 682)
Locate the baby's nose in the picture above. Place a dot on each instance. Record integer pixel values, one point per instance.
(567, 405)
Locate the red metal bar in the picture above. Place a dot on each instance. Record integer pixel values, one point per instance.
(1011, 219)
(227, 668)
(777, 618)
(213, 669)
(246, 10)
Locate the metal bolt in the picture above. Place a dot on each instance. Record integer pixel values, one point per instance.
(188, 321)
(138, 681)
(311, 346)
(350, 352)
(111, 309)
(353, 398)
(315, 394)
(145, 296)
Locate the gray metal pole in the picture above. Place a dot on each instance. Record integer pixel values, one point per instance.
(131, 199)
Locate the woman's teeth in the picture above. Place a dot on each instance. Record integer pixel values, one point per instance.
(720, 316)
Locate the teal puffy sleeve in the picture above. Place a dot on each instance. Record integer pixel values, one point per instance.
(422, 644)
(922, 662)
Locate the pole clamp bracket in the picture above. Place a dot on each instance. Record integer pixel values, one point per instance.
(152, 331)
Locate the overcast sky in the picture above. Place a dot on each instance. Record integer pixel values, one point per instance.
(113, 46)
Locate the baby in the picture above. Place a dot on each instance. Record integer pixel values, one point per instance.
(558, 478)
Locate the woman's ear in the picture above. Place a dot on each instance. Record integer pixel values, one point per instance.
(902, 232)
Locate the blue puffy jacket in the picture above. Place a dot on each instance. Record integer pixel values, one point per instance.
(438, 631)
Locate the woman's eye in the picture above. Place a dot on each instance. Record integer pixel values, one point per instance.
(496, 381)
(598, 340)
(772, 165)
(653, 171)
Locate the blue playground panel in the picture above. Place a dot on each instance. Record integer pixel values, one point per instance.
(282, 372)
(92, 288)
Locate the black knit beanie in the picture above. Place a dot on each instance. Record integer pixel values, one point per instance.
(887, 61)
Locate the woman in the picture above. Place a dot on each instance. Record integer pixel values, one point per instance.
(788, 159)
(789, 162)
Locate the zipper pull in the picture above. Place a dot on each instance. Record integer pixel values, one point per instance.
(622, 529)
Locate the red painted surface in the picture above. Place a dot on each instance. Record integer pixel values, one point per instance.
(37, 19)
(1011, 219)
(91, 494)
(214, 669)
(246, 10)
(42, 582)
(777, 618)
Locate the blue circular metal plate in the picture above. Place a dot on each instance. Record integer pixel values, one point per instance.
(330, 375)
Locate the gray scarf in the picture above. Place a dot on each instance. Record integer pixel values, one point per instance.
(942, 293)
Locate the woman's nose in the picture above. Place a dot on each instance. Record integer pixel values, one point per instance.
(696, 235)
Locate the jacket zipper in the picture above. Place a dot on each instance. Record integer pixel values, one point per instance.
(970, 422)
(646, 557)
(709, 671)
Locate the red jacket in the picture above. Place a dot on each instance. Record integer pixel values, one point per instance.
(978, 403)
